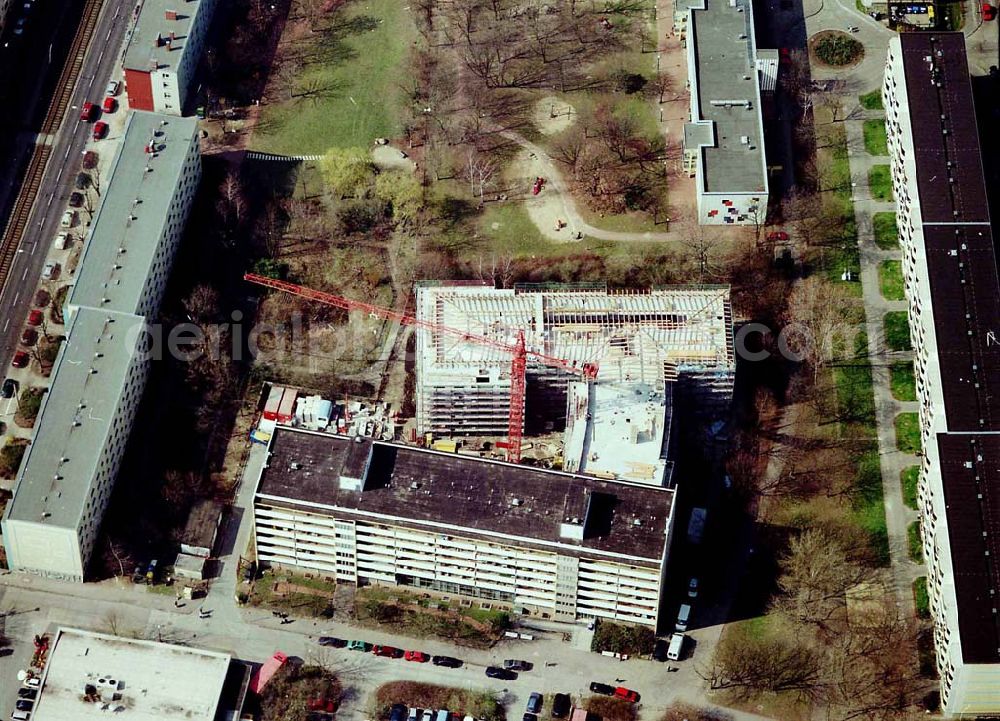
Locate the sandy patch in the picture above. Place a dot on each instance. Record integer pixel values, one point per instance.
(387, 157)
(553, 115)
(547, 210)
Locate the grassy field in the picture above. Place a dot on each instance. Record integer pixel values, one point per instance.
(886, 233)
(876, 142)
(890, 280)
(915, 545)
(880, 182)
(902, 381)
(296, 602)
(360, 65)
(832, 155)
(920, 598)
(872, 100)
(897, 330)
(908, 432)
(908, 477)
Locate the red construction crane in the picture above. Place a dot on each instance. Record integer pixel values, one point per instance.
(519, 352)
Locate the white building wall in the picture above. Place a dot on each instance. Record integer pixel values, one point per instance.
(43, 550)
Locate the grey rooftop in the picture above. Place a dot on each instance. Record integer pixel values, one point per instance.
(153, 23)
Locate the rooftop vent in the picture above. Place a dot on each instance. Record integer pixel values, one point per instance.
(170, 15)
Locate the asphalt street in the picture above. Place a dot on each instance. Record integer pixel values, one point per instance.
(67, 147)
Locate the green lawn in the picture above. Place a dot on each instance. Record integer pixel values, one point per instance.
(908, 432)
(880, 182)
(840, 252)
(920, 598)
(875, 138)
(872, 100)
(897, 330)
(914, 543)
(355, 74)
(908, 477)
(890, 280)
(902, 381)
(886, 233)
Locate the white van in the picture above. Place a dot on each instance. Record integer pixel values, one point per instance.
(683, 616)
(676, 646)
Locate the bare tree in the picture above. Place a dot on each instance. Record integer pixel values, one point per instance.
(500, 272)
(816, 323)
(479, 170)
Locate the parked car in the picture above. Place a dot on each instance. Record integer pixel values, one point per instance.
(660, 650)
(109, 105)
(513, 664)
(528, 716)
(19, 26)
(359, 646)
(561, 705)
(75, 200)
(27, 693)
(139, 574)
(24, 704)
(683, 617)
(626, 694)
(68, 219)
(602, 688)
(20, 359)
(83, 181)
(418, 656)
(63, 241)
(428, 715)
(35, 317)
(100, 130)
(534, 702)
(331, 641)
(446, 661)
(413, 714)
(387, 651)
(676, 647)
(9, 389)
(88, 112)
(33, 682)
(112, 88)
(90, 159)
(502, 673)
(50, 270)
(777, 235)
(693, 587)
(397, 712)
(989, 12)
(29, 336)
(250, 572)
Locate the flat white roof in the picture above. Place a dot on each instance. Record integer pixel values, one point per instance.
(148, 681)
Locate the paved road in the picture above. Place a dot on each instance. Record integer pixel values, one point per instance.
(67, 147)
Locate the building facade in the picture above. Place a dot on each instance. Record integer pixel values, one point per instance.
(724, 142)
(953, 294)
(163, 52)
(538, 542)
(65, 481)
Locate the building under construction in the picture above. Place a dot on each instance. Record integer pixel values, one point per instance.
(639, 341)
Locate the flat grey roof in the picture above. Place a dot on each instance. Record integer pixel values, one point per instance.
(417, 487)
(725, 70)
(88, 381)
(142, 48)
(155, 680)
(144, 196)
(202, 523)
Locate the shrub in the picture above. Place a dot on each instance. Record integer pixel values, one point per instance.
(618, 638)
(360, 216)
(29, 405)
(611, 709)
(10, 457)
(838, 49)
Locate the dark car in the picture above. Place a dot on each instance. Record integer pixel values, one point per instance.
(387, 651)
(75, 200)
(514, 664)
(529, 717)
(660, 651)
(24, 704)
(602, 688)
(90, 159)
(35, 317)
(9, 388)
(397, 712)
(502, 673)
(29, 336)
(446, 661)
(561, 704)
(139, 574)
(30, 693)
(331, 641)
(82, 181)
(250, 573)
(535, 702)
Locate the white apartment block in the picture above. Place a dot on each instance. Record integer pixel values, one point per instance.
(724, 142)
(953, 293)
(163, 52)
(545, 543)
(636, 339)
(81, 432)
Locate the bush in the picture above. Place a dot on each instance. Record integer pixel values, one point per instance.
(28, 406)
(10, 457)
(838, 49)
(618, 638)
(294, 688)
(628, 83)
(270, 268)
(478, 704)
(360, 216)
(611, 709)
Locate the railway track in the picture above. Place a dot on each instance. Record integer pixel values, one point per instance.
(54, 117)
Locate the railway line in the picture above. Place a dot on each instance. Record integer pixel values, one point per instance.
(54, 116)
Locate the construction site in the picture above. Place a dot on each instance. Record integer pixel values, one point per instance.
(574, 377)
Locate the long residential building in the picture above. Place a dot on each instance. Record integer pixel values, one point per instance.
(547, 543)
(69, 470)
(724, 142)
(953, 293)
(636, 339)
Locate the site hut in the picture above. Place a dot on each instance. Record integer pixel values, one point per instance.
(96, 676)
(163, 51)
(197, 540)
(724, 142)
(953, 297)
(545, 543)
(637, 339)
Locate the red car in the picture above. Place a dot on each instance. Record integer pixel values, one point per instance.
(100, 130)
(109, 105)
(87, 112)
(537, 187)
(20, 359)
(626, 694)
(387, 651)
(989, 12)
(418, 656)
(29, 336)
(35, 317)
(777, 235)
